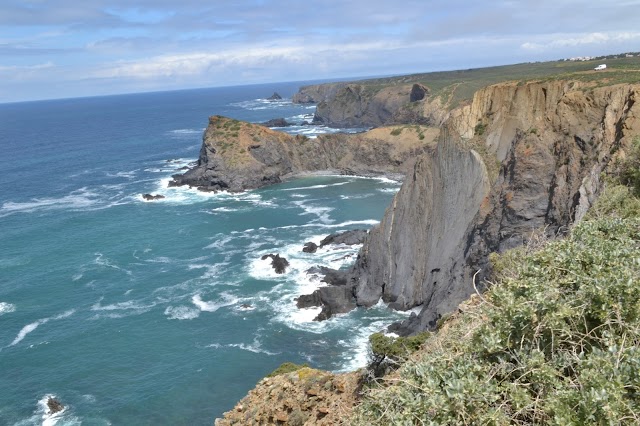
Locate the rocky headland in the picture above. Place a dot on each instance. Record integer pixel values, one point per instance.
(236, 156)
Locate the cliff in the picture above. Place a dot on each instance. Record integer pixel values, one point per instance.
(236, 156)
(549, 142)
(371, 105)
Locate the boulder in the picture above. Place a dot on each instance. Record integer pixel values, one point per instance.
(151, 197)
(279, 263)
(276, 122)
(310, 247)
(275, 97)
(355, 236)
(54, 405)
(418, 92)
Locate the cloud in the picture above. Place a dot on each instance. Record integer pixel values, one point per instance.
(564, 40)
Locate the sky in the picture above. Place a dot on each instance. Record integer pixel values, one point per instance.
(71, 48)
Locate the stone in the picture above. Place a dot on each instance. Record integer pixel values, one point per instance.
(351, 237)
(310, 247)
(54, 405)
(275, 97)
(151, 197)
(418, 92)
(277, 122)
(278, 263)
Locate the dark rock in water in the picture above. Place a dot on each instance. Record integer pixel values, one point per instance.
(310, 247)
(355, 236)
(184, 168)
(418, 92)
(305, 123)
(277, 122)
(275, 97)
(279, 263)
(151, 197)
(334, 300)
(54, 405)
(246, 306)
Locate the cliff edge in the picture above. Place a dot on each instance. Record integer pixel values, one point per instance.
(236, 156)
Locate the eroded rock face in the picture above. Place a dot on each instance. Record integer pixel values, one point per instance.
(304, 397)
(547, 144)
(418, 92)
(409, 258)
(552, 141)
(236, 156)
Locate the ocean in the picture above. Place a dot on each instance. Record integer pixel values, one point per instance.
(160, 313)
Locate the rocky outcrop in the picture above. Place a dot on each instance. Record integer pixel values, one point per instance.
(152, 197)
(236, 156)
(351, 237)
(54, 405)
(310, 247)
(275, 97)
(316, 93)
(303, 397)
(277, 122)
(418, 92)
(545, 145)
(278, 263)
(368, 104)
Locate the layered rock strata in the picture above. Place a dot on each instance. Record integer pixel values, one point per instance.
(549, 142)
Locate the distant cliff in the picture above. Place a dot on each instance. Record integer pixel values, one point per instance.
(236, 156)
(371, 105)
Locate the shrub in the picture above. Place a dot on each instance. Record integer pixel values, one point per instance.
(556, 340)
(480, 129)
(287, 367)
(396, 131)
(630, 170)
(386, 352)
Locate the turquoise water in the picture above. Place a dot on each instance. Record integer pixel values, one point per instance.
(134, 312)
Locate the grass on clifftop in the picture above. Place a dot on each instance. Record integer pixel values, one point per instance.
(556, 340)
(456, 87)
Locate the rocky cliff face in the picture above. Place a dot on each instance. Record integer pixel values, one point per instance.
(369, 105)
(552, 141)
(236, 156)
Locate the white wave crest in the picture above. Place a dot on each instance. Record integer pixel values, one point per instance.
(213, 306)
(6, 308)
(32, 326)
(79, 199)
(302, 188)
(181, 312)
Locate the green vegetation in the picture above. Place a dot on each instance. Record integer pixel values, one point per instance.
(479, 129)
(556, 339)
(396, 131)
(630, 172)
(456, 87)
(287, 367)
(386, 352)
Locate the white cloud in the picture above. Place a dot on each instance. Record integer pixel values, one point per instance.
(556, 41)
(24, 68)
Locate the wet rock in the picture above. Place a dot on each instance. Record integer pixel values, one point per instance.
(355, 236)
(151, 197)
(275, 97)
(54, 405)
(278, 263)
(310, 247)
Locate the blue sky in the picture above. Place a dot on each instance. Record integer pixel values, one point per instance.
(68, 48)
